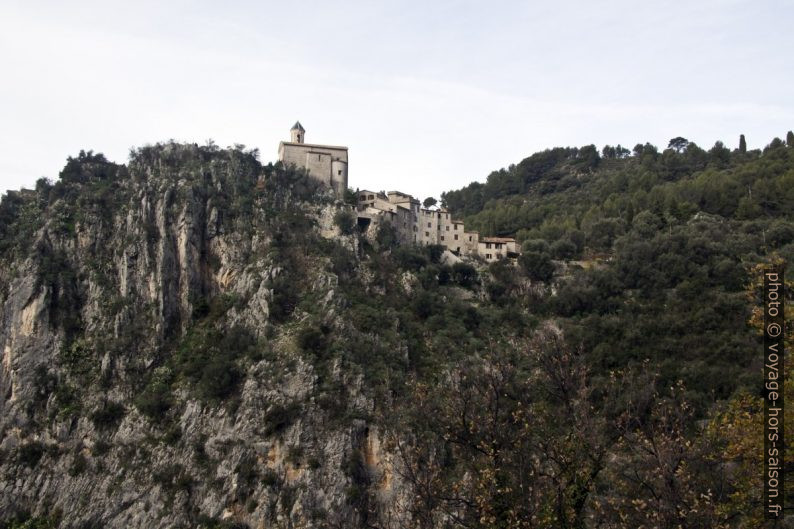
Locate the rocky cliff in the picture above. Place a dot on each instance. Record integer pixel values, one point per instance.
(152, 371)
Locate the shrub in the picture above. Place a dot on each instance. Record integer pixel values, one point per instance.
(29, 454)
(537, 266)
(535, 245)
(464, 274)
(410, 258)
(345, 220)
(218, 380)
(435, 251)
(207, 359)
(78, 466)
(155, 400)
(110, 414)
(285, 299)
(386, 237)
(563, 249)
(313, 339)
(280, 417)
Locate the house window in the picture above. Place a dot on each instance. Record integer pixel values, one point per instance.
(442, 237)
(469, 238)
(458, 249)
(456, 236)
(488, 245)
(427, 234)
(429, 225)
(447, 228)
(487, 256)
(339, 172)
(456, 227)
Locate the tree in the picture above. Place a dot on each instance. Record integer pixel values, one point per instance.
(662, 478)
(345, 220)
(790, 139)
(537, 265)
(429, 202)
(742, 144)
(678, 143)
(513, 440)
(719, 154)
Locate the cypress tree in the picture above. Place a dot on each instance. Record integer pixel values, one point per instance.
(790, 139)
(742, 144)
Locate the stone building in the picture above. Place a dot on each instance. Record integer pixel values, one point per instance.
(417, 225)
(325, 163)
(495, 248)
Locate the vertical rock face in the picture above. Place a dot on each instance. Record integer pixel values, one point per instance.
(150, 376)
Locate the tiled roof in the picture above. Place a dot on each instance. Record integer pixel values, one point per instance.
(497, 239)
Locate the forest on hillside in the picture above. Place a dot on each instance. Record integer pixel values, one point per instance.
(651, 250)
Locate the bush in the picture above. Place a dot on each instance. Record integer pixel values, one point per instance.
(345, 220)
(435, 251)
(110, 414)
(285, 299)
(464, 274)
(29, 454)
(219, 379)
(207, 359)
(537, 266)
(535, 245)
(280, 417)
(78, 466)
(313, 339)
(386, 237)
(155, 400)
(563, 249)
(410, 258)
(24, 521)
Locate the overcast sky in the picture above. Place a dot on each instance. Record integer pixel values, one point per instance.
(428, 95)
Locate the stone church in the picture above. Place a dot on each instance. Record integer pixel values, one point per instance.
(326, 163)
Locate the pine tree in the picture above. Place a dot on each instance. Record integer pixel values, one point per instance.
(742, 144)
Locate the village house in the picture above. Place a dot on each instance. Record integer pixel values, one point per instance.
(417, 225)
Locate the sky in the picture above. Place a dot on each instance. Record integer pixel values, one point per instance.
(428, 96)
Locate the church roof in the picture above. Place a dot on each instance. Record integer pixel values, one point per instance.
(298, 126)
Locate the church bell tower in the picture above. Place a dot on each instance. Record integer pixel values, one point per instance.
(297, 133)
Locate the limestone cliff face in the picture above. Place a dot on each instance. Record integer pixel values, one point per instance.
(112, 279)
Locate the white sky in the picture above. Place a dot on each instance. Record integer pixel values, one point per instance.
(428, 96)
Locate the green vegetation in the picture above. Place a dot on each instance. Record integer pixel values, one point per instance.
(30, 453)
(345, 220)
(25, 521)
(108, 415)
(666, 238)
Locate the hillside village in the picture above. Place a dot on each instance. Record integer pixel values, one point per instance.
(413, 223)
